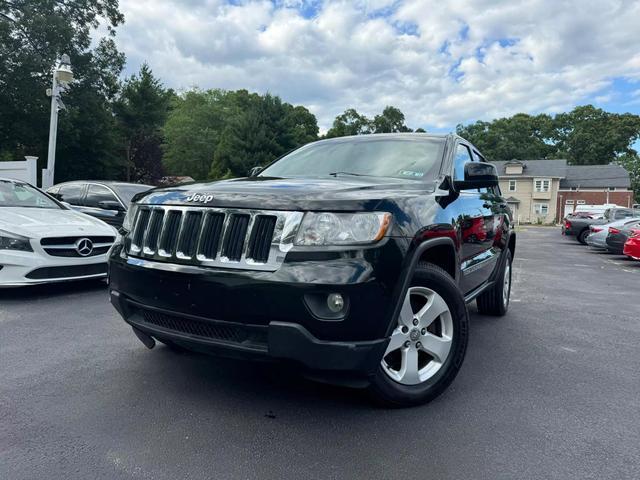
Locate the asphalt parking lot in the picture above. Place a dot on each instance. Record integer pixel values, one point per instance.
(550, 391)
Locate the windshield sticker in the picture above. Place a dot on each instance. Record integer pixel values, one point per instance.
(410, 173)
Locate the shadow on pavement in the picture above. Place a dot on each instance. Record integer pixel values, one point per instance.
(33, 292)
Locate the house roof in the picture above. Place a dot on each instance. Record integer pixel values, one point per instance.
(536, 168)
(571, 176)
(594, 176)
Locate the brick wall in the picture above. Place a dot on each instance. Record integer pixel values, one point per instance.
(591, 197)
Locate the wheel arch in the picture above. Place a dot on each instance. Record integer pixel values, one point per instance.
(440, 251)
(511, 244)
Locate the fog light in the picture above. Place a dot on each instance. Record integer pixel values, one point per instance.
(335, 302)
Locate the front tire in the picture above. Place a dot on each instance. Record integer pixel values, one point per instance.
(428, 344)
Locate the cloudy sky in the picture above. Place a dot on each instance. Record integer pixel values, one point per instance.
(442, 62)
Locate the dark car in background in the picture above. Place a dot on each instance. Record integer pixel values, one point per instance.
(106, 200)
(618, 236)
(579, 226)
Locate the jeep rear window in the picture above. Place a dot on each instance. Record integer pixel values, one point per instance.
(407, 158)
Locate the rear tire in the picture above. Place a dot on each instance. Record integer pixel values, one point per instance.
(495, 301)
(436, 323)
(582, 236)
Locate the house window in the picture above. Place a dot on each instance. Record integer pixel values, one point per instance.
(581, 202)
(542, 185)
(541, 209)
(569, 202)
(512, 185)
(612, 189)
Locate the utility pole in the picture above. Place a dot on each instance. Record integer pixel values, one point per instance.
(62, 76)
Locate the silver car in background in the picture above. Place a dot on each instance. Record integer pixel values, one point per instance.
(598, 236)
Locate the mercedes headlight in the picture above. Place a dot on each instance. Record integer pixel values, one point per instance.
(127, 222)
(326, 228)
(12, 241)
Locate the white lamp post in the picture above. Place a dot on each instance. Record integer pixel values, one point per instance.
(62, 76)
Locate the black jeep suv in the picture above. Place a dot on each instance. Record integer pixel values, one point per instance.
(354, 257)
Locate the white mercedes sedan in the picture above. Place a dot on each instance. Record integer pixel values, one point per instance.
(42, 240)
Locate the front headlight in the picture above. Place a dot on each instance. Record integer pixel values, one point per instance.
(326, 228)
(12, 241)
(127, 222)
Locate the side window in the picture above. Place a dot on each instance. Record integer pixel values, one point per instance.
(620, 214)
(97, 194)
(463, 155)
(71, 194)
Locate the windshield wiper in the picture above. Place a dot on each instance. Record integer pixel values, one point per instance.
(335, 174)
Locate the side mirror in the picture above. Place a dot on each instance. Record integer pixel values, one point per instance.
(477, 175)
(255, 171)
(111, 205)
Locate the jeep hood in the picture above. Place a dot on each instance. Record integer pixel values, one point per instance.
(341, 193)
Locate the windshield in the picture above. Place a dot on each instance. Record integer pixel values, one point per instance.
(15, 194)
(412, 158)
(127, 192)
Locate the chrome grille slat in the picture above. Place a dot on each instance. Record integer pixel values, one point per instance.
(210, 236)
(153, 232)
(170, 231)
(213, 237)
(235, 238)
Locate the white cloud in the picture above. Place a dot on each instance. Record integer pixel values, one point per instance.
(441, 62)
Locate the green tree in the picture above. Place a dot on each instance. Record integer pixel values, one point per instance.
(141, 111)
(219, 134)
(391, 120)
(349, 123)
(520, 137)
(590, 136)
(631, 162)
(33, 35)
(192, 132)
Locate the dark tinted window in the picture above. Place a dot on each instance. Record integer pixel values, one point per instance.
(71, 194)
(620, 214)
(127, 192)
(97, 194)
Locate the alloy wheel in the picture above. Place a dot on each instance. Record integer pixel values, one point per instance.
(422, 340)
(506, 288)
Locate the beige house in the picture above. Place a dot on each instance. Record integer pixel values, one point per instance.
(531, 188)
(546, 190)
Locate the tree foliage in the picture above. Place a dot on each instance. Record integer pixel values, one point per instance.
(141, 111)
(216, 133)
(391, 120)
(591, 136)
(33, 35)
(631, 163)
(584, 136)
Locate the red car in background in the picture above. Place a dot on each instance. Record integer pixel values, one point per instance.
(632, 246)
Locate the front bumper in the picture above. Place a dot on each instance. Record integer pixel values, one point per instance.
(277, 340)
(597, 241)
(19, 268)
(268, 314)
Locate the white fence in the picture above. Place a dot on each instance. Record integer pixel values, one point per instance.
(26, 170)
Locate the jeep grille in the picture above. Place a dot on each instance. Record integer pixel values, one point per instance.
(230, 238)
